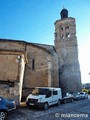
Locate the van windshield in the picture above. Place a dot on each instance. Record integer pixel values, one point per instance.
(40, 91)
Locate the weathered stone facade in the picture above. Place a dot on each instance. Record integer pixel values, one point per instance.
(41, 67)
(27, 65)
(67, 50)
(12, 65)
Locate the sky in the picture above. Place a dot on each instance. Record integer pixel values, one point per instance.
(33, 21)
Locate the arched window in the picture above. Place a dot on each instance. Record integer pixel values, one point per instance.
(62, 36)
(61, 32)
(68, 35)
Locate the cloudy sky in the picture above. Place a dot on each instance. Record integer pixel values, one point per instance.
(33, 21)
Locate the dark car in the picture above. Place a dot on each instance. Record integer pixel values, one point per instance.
(5, 107)
(67, 98)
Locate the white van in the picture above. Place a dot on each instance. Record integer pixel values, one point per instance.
(43, 97)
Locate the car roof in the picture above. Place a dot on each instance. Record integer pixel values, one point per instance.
(83, 92)
(50, 88)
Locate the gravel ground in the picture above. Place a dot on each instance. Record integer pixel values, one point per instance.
(79, 109)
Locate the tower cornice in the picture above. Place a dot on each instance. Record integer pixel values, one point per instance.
(60, 20)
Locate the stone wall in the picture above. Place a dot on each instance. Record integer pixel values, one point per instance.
(11, 75)
(39, 76)
(8, 67)
(40, 70)
(12, 45)
(11, 93)
(12, 62)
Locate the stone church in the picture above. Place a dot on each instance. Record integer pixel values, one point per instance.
(25, 65)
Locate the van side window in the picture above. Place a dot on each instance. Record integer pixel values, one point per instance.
(55, 93)
(48, 94)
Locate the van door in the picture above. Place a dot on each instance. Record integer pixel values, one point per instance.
(55, 96)
(49, 97)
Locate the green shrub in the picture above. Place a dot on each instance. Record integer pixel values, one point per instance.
(89, 91)
(85, 90)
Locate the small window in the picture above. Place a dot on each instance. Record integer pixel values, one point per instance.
(55, 93)
(33, 64)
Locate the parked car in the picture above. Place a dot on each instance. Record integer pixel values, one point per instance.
(84, 95)
(80, 96)
(67, 98)
(77, 96)
(5, 107)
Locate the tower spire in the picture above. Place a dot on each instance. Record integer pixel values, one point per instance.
(64, 13)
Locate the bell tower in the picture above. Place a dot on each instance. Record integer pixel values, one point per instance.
(67, 49)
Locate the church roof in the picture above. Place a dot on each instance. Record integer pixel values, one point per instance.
(48, 48)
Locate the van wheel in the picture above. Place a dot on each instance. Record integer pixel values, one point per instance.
(45, 107)
(3, 115)
(58, 103)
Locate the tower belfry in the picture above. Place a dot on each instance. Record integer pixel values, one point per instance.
(64, 13)
(67, 50)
